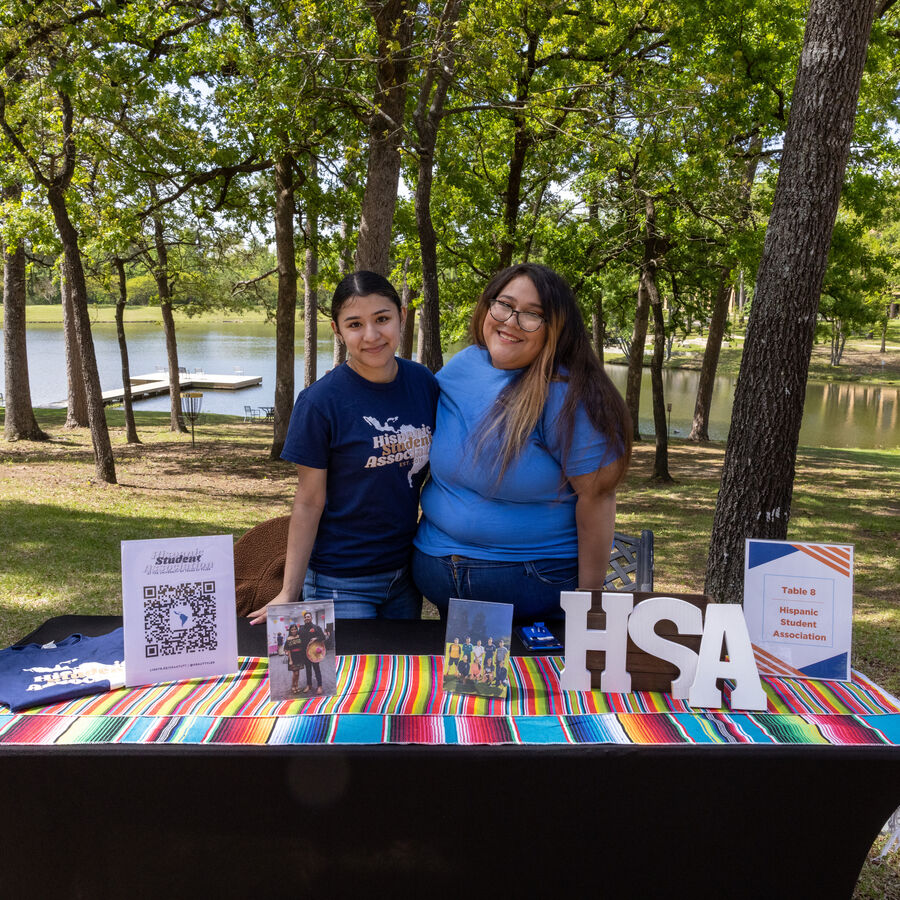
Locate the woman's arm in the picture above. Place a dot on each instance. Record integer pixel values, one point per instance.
(309, 501)
(595, 520)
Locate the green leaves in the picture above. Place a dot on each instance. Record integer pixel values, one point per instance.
(561, 119)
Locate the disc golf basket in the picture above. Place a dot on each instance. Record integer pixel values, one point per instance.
(191, 404)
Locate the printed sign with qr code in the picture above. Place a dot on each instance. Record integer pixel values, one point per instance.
(180, 618)
(178, 609)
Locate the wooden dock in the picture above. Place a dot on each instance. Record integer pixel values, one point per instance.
(154, 383)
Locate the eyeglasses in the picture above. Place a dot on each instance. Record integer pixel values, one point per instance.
(503, 312)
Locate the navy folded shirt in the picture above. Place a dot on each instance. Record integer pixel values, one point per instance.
(35, 674)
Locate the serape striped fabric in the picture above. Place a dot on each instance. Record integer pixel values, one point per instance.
(398, 699)
(361, 728)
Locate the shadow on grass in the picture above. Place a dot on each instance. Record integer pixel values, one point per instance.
(31, 536)
(59, 560)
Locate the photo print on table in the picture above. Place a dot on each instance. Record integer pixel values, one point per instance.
(476, 648)
(300, 640)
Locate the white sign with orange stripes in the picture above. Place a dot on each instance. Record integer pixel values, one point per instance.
(798, 603)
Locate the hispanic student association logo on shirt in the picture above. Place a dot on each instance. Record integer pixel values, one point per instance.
(404, 445)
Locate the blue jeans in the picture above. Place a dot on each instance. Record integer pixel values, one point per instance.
(532, 587)
(386, 595)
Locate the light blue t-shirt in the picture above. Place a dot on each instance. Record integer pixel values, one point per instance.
(530, 513)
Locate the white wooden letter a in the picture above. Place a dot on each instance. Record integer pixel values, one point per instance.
(726, 620)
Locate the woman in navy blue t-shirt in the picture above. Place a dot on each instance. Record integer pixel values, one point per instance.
(360, 437)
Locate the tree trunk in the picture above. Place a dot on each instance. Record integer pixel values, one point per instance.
(131, 435)
(512, 194)
(407, 332)
(522, 143)
(636, 359)
(420, 339)
(651, 290)
(345, 260)
(838, 340)
(598, 323)
(176, 419)
(407, 335)
(758, 474)
(76, 406)
(346, 256)
(700, 424)
(339, 353)
(427, 119)
(707, 379)
(661, 456)
(104, 463)
(286, 308)
(19, 422)
(598, 329)
(430, 313)
(310, 314)
(394, 23)
(161, 274)
(311, 289)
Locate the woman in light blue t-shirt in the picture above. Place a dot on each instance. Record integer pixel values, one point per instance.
(531, 441)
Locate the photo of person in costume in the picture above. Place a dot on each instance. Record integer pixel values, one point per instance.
(309, 633)
(295, 652)
(360, 437)
(531, 441)
(305, 628)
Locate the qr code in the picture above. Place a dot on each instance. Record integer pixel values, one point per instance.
(180, 618)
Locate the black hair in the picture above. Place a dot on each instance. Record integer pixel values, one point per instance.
(361, 284)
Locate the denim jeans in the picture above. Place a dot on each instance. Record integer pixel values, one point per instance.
(533, 587)
(386, 595)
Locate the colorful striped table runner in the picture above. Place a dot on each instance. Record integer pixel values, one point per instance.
(397, 699)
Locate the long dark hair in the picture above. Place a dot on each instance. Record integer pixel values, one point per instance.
(566, 356)
(361, 284)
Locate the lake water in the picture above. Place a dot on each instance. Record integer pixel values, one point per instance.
(835, 415)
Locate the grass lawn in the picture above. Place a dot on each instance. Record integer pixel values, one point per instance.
(60, 529)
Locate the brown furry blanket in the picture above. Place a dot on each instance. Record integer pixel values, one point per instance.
(259, 564)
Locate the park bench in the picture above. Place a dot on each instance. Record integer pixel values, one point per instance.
(631, 563)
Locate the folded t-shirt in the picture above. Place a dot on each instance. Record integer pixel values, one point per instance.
(35, 674)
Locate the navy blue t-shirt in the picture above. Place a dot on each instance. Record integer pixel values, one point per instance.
(35, 674)
(374, 439)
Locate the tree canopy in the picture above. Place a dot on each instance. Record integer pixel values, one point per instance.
(216, 148)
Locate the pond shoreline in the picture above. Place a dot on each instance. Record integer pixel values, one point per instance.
(861, 411)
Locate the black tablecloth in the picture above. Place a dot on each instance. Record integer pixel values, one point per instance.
(334, 821)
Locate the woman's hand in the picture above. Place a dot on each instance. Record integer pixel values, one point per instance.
(595, 521)
(259, 615)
